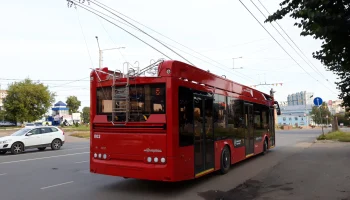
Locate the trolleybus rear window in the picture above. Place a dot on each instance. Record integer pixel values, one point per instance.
(144, 99)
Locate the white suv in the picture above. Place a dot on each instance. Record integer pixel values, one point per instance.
(32, 137)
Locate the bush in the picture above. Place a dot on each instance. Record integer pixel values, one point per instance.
(76, 124)
(336, 135)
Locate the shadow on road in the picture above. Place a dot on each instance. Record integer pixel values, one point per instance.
(166, 189)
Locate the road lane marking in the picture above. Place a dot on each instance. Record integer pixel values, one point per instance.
(2, 174)
(43, 188)
(32, 152)
(31, 159)
(82, 162)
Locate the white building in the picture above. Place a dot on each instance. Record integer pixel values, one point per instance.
(296, 110)
(300, 98)
(335, 107)
(3, 94)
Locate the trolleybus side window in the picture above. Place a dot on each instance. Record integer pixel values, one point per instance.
(236, 121)
(185, 117)
(260, 121)
(221, 130)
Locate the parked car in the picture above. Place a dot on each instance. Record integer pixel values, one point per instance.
(32, 137)
(28, 125)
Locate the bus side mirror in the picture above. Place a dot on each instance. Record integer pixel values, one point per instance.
(278, 109)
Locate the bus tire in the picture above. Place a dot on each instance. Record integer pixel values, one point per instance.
(225, 161)
(265, 147)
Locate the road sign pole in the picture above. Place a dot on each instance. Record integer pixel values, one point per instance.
(318, 102)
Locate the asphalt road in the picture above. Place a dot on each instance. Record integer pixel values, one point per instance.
(64, 174)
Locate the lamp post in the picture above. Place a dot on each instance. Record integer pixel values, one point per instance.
(102, 50)
(233, 63)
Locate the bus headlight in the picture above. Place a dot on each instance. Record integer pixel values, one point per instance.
(105, 156)
(95, 155)
(99, 155)
(162, 160)
(155, 159)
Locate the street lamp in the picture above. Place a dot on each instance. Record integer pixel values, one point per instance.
(101, 52)
(233, 63)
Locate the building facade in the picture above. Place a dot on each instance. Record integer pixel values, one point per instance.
(298, 115)
(300, 98)
(335, 107)
(3, 94)
(296, 110)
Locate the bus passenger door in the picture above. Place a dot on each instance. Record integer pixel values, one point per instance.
(249, 133)
(203, 134)
(272, 126)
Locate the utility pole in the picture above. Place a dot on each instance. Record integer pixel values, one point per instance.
(233, 63)
(100, 54)
(266, 84)
(100, 63)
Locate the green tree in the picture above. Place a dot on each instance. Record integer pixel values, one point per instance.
(73, 104)
(27, 101)
(2, 115)
(318, 117)
(328, 21)
(86, 114)
(343, 118)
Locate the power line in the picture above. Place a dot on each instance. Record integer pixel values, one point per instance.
(82, 31)
(14, 79)
(111, 39)
(282, 46)
(313, 68)
(97, 4)
(168, 38)
(84, 7)
(170, 45)
(144, 25)
(71, 82)
(235, 45)
(293, 41)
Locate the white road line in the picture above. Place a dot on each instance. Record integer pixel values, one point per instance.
(76, 148)
(82, 162)
(16, 161)
(26, 153)
(2, 174)
(43, 188)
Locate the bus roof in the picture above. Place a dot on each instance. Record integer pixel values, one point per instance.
(184, 71)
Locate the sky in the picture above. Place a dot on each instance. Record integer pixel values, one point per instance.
(50, 43)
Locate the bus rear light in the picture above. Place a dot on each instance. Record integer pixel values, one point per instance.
(101, 156)
(150, 159)
(155, 159)
(162, 160)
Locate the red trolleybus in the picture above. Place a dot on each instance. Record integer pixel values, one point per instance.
(180, 124)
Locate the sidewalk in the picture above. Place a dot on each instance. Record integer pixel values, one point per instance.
(320, 172)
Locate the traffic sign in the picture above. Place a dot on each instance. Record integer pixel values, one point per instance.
(318, 101)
